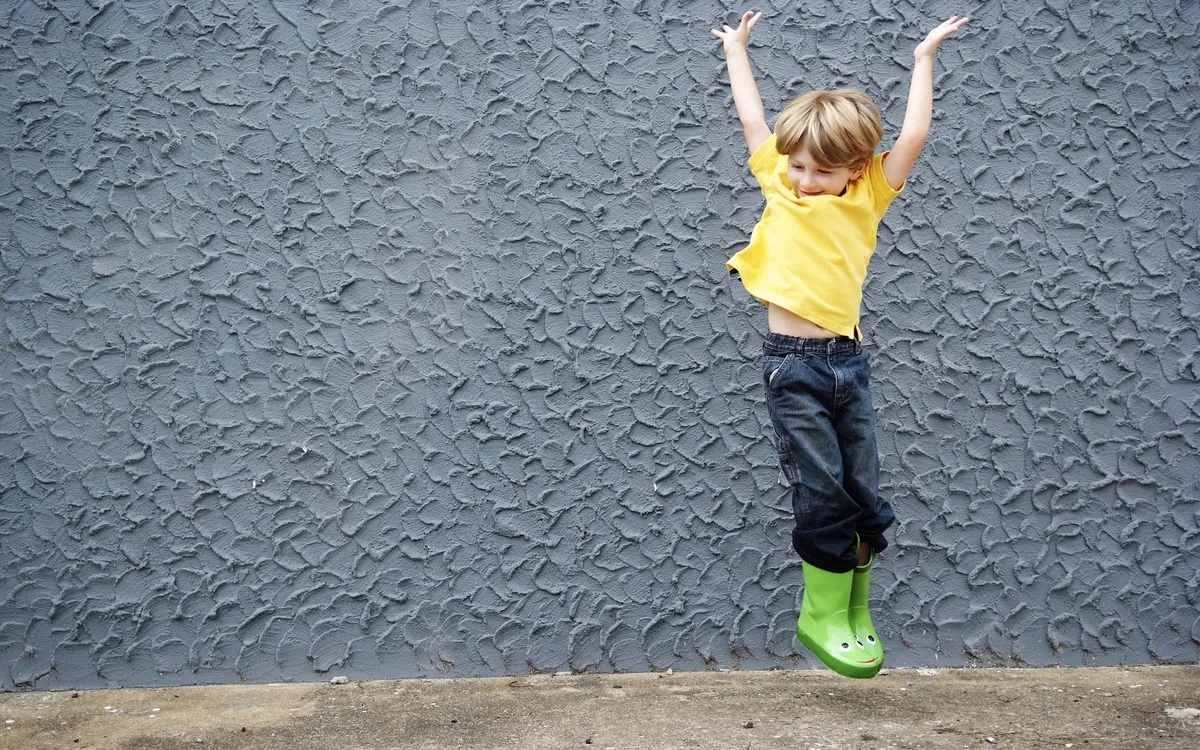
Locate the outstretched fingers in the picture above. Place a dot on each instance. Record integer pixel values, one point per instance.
(740, 35)
(935, 37)
(948, 27)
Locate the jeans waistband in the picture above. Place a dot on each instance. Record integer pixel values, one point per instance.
(779, 345)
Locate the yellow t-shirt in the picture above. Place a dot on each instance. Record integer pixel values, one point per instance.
(810, 255)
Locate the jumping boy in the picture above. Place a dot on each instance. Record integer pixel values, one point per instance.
(826, 191)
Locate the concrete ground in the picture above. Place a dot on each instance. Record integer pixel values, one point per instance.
(1136, 707)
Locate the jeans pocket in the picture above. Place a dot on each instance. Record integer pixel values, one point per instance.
(772, 366)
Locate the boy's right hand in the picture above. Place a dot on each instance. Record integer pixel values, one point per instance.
(739, 37)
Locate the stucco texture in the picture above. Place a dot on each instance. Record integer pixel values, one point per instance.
(392, 340)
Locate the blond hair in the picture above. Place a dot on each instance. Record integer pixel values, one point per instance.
(840, 128)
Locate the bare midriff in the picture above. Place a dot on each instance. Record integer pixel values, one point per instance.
(789, 323)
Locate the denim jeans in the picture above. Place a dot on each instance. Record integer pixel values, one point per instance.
(819, 399)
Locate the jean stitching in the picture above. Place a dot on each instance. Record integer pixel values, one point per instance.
(837, 382)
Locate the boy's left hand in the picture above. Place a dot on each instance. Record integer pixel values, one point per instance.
(935, 37)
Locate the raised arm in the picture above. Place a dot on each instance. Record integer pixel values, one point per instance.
(741, 80)
(920, 106)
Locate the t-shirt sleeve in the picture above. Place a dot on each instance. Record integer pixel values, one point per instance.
(763, 163)
(881, 192)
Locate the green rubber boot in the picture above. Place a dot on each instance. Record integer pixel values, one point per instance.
(860, 616)
(824, 625)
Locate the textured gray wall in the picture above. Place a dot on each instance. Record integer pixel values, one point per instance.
(395, 340)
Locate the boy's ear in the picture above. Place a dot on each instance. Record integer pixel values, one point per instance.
(857, 172)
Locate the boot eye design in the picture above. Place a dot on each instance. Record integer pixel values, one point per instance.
(871, 639)
(845, 646)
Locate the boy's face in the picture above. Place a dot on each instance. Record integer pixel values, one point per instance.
(808, 178)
